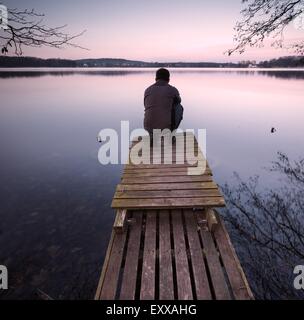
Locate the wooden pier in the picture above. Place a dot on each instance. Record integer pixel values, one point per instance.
(167, 241)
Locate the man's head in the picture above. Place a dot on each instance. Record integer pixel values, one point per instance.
(162, 74)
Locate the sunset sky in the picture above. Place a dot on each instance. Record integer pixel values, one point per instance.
(158, 30)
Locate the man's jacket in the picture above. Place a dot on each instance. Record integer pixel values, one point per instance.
(159, 100)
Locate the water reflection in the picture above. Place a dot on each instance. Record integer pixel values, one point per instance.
(40, 72)
(267, 228)
(55, 196)
(284, 74)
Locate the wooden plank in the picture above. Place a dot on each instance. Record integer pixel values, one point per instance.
(105, 266)
(129, 278)
(120, 220)
(177, 133)
(178, 137)
(167, 186)
(162, 142)
(197, 258)
(196, 178)
(137, 169)
(188, 138)
(167, 194)
(237, 278)
(186, 152)
(166, 203)
(162, 166)
(150, 168)
(147, 290)
(168, 154)
(216, 272)
(158, 166)
(166, 289)
(129, 166)
(108, 290)
(168, 159)
(167, 173)
(186, 148)
(184, 289)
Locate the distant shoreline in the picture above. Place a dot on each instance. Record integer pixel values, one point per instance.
(31, 62)
(151, 68)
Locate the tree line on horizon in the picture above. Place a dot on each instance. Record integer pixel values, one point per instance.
(32, 62)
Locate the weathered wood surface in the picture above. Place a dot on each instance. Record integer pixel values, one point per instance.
(165, 179)
(167, 194)
(162, 203)
(112, 266)
(129, 278)
(184, 289)
(239, 285)
(120, 220)
(147, 289)
(167, 186)
(167, 255)
(199, 269)
(156, 173)
(216, 271)
(166, 282)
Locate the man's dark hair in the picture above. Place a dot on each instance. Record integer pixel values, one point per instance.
(162, 74)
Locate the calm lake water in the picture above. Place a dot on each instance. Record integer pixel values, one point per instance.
(55, 216)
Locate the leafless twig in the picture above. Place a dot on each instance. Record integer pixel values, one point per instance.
(267, 19)
(268, 228)
(26, 28)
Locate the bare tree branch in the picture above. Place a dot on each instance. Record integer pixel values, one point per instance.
(26, 29)
(267, 19)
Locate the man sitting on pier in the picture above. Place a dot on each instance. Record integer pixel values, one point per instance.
(162, 104)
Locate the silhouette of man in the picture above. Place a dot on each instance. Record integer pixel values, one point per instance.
(159, 101)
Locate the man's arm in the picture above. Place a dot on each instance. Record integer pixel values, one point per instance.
(177, 98)
(145, 94)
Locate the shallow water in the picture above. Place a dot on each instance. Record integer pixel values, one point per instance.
(55, 196)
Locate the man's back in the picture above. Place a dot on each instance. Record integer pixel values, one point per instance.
(159, 100)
